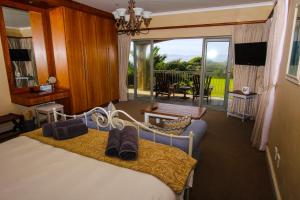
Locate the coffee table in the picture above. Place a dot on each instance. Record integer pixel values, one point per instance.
(184, 89)
(171, 111)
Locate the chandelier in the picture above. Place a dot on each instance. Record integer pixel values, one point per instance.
(129, 21)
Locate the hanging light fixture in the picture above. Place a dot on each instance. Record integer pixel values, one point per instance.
(129, 21)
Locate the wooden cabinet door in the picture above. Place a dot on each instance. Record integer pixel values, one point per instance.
(103, 46)
(113, 60)
(75, 56)
(93, 60)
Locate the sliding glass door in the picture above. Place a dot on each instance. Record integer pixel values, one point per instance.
(184, 71)
(216, 72)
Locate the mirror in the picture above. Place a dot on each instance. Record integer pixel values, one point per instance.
(24, 32)
(293, 70)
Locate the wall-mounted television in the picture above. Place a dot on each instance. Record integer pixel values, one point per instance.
(251, 53)
(19, 54)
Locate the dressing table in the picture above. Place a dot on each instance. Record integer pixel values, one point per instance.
(36, 98)
(28, 55)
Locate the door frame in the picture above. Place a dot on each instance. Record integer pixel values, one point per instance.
(225, 38)
(203, 69)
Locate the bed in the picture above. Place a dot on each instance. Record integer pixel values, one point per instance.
(31, 169)
(188, 142)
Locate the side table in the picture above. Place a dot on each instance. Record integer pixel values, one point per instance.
(233, 108)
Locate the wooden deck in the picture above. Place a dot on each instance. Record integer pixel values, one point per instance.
(177, 99)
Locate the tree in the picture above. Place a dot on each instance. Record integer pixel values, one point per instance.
(158, 59)
(194, 64)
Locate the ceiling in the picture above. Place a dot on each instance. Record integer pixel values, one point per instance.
(16, 18)
(157, 6)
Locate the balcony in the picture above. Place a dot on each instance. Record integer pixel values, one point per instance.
(180, 78)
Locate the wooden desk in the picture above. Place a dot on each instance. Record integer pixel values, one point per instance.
(171, 111)
(31, 98)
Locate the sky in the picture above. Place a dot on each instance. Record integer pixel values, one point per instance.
(186, 49)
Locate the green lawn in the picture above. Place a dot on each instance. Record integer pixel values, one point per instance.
(219, 86)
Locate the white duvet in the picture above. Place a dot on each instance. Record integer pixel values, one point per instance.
(30, 170)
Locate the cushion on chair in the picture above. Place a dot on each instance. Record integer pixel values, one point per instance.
(48, 107)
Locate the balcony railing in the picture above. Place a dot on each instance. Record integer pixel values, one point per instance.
(186, 78)
(177, 76)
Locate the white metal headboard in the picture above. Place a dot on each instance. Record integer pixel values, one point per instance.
(110, 119)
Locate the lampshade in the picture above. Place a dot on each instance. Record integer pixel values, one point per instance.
(147, 14)
(138, 11)
(132, 20)
(116, 15)
(121, 12)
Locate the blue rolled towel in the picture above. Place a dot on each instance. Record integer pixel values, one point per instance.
(70, 131)
(48, 129)
(113, 143)
(129, 144)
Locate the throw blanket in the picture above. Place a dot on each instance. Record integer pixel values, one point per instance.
(169, 164)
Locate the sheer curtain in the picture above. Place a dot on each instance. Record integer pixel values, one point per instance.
(260, 132)
(245, 75)
(124, 51)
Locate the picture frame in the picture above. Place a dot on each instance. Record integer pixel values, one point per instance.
(293, 68)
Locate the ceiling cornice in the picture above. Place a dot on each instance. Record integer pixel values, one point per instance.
(268, 3)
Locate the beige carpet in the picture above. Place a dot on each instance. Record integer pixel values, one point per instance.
(229, 168)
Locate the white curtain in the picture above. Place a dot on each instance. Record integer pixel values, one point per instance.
(245, 75)
(260, 132)
(123, 52)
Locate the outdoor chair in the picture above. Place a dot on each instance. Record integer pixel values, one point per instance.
(207, 87)
(163, 85)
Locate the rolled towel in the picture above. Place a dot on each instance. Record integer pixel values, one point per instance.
(48, 129)
(129, 144)
(70, 131)
(113, 142)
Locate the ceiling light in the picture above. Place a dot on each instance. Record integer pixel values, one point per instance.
(129, 21)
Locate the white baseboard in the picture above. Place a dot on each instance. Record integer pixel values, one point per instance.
(273, 175)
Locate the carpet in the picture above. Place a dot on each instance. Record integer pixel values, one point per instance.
(229, 168)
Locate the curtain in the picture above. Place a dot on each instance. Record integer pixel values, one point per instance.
(245, 75)
(123, 53)
(24, 68)
(260, 132)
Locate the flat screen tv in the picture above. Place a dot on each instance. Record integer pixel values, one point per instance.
(19, 54)
(251, 53)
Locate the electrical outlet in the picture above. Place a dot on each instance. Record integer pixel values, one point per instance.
(278, 161)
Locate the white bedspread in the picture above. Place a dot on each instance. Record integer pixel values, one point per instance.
(30, 170)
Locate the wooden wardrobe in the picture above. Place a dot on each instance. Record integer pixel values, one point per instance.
(86, 57)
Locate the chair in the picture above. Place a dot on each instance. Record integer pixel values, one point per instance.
(207, 88)
(163, 85)
(196, 86)
(47, 109)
